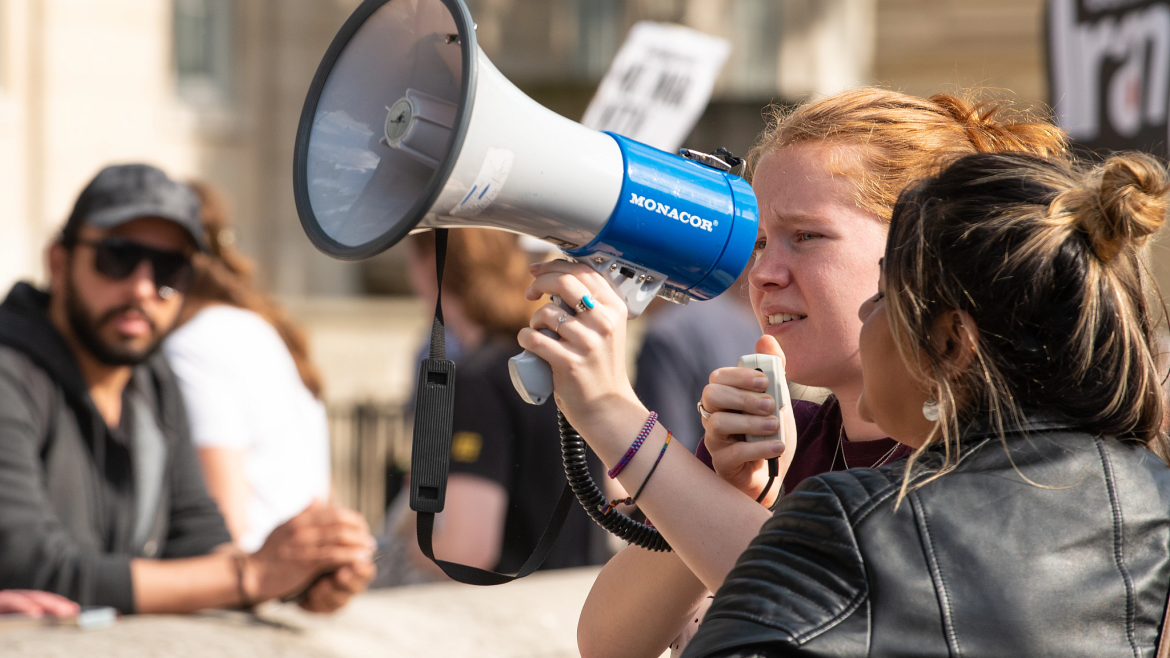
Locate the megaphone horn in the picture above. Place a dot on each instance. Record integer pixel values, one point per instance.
(408, 126)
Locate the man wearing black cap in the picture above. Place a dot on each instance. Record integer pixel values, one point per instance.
(101, 497)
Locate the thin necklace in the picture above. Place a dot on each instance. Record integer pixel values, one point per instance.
(885, 457)
(841, 449)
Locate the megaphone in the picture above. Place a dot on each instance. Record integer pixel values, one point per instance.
(408, 126)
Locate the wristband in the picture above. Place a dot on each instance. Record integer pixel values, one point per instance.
(613, 472)
(245, 601)
(653, 468)
(630, 500)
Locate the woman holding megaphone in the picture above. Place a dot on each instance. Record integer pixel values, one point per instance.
(826, 176)
(1031, 519)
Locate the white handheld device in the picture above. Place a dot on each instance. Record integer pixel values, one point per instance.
(773, 368)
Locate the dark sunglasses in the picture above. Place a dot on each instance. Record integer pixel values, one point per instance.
(117, 258)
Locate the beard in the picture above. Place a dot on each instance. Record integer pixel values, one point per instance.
(87, 329)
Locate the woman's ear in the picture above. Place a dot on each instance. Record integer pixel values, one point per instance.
(954, 336)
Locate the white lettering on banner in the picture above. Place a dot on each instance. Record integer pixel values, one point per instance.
(673, 213)
(658, 84)
(1110, 71)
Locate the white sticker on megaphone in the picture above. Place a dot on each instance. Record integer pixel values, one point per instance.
(497, 164)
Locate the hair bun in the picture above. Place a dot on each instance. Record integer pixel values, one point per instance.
(995, 126)
(1130, 204)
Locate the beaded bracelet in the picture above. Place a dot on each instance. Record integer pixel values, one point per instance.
(613, 472)
(630, 500)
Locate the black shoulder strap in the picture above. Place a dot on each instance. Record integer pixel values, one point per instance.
(476, 576)
(431, 453)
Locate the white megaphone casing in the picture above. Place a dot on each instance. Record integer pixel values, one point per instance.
(409, 126)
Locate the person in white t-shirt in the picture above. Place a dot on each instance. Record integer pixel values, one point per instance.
(252, 395)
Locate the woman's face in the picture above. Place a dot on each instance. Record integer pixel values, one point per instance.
(891, 397)
(816, 261)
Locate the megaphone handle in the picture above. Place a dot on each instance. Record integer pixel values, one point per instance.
(531, 375)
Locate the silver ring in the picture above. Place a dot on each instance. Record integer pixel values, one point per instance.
(559, 321)
(703, 412)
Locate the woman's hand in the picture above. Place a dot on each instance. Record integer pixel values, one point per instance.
(589, 362)
(738, 406)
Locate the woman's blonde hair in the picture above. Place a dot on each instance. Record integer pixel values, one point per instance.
(902, 137)
(224, 276)
(1047, 257)
(488, 271)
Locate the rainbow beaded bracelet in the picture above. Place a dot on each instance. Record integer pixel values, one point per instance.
(613, 472)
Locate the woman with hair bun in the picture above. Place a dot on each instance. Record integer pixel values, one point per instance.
(826, 175)
(252, 393)
(1011, 345)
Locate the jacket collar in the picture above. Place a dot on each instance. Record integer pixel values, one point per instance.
(25, 326)
(1034, 420)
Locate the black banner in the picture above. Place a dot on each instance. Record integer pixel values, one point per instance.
(1109, 72)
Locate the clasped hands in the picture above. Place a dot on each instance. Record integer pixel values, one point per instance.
(326, 549)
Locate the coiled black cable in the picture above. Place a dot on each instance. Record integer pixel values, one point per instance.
(573, 449)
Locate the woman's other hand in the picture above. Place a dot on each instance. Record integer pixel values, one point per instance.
(36, 604)
(738, 406)
(589, 362)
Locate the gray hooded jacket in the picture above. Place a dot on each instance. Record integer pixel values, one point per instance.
(79, 500)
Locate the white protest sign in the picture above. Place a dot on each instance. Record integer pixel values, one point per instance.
(658, 85)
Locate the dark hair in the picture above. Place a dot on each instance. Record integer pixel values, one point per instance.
(225, 276)
(1046, 256)
(488, 271)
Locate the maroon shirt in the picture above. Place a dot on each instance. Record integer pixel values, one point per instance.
(820, 439)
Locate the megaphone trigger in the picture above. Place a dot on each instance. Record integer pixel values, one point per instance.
(635, 284)
(531, 375)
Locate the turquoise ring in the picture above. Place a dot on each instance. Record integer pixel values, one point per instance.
(586, 304)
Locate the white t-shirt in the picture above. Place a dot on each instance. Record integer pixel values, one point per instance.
(242, 391)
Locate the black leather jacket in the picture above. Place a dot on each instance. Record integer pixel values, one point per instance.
(979, 562)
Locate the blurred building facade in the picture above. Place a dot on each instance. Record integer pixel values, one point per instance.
(203, 88)
(213, 89)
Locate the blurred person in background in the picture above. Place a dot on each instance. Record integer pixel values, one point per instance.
(252, 395)
(101, 497)
(682, 346)
(506, 467)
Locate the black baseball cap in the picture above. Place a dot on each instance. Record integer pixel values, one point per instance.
(120, 193)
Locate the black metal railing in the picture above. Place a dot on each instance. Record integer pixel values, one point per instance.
(370, 447)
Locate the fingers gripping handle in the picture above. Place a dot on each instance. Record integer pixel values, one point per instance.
(636, 285)
(773, 368)
(531, 375)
